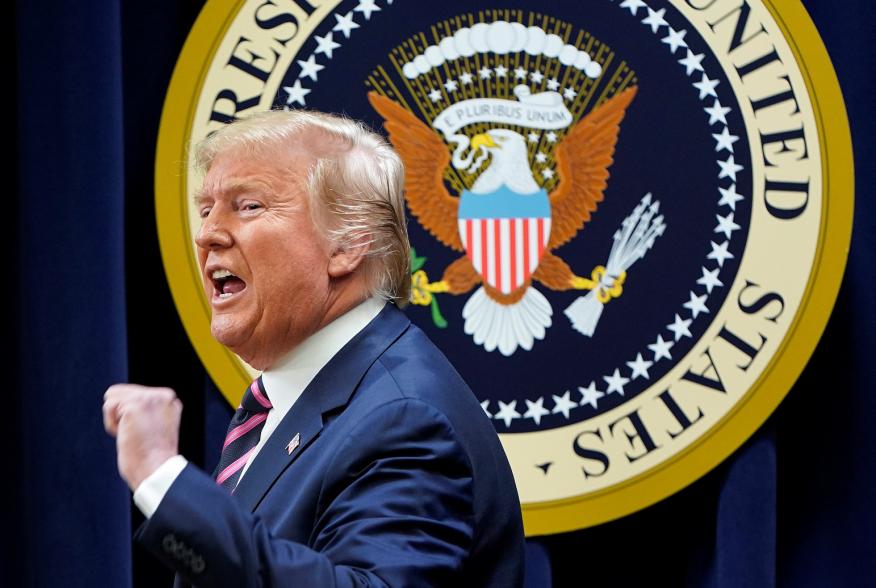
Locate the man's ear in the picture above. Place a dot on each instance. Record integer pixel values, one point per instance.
(346, 259)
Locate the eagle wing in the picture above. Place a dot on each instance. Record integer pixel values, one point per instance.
(425, 157)
(583, 159)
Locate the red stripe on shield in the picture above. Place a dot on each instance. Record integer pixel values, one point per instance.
(514, 253)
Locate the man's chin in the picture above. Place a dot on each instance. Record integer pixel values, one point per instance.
(232, 336)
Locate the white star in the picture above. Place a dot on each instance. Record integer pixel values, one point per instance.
(729, 196)
(507, 412)
(707, 86)
(345, 24)
(710, 279)
(366, 7)
(720, 253)
(655, 19)
(551, 137)
(547, 173)
(310, 68)
(726, 225)
(484, 406)
(501, 71)
(553, 84)
(640, 367)
(535, 410)
(675, 39)
(326, 45)
(520, 73)
(680, 328)
(696, 305)
(536, 77)
(540, 157)
(569, 94)
(296, 93)
(485, 73)
(451, 85)
(692, 62)
(435, 95)
(533, 137)
(563, 404)
(717, 113)
(729, 167)
(661, 348)
(465, 77)
(633, 5)
(616, 382)
(590, 395)
(725, 140)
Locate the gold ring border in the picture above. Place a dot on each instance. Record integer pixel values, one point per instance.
(171, 211)
(661, 481)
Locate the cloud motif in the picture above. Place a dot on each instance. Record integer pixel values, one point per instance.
(501, 37)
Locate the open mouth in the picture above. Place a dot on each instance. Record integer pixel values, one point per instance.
(226, 284)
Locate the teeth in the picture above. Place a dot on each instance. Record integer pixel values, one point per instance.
(222, 273)
(226, 295)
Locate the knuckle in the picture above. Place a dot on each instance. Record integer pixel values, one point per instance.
(112, 391)
(134, 397)
(109, 407)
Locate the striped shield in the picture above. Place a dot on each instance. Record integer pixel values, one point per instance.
(504, 241)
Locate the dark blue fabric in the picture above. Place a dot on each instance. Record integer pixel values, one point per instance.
(71, 329)
(396, 476)
(744, 548)
(538, 565)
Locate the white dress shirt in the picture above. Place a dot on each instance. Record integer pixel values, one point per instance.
(283, 384)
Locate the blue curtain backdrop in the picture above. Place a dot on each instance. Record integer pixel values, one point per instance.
(71, 513)
(90, 306)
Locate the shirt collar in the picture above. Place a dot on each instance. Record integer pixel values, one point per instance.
(287, 379)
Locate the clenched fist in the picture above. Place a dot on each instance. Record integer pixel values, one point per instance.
(145, 423)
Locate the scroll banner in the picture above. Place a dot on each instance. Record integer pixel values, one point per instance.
(496, 110)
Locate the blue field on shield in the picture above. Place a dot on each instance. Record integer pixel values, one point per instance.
(503, 203)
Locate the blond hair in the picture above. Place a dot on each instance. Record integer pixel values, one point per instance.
(355, 187)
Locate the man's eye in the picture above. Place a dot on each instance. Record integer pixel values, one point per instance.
(251, 206)
(205, 212)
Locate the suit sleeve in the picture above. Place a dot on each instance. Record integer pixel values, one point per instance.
(395, 510)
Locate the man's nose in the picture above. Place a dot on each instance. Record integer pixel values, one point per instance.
(213, 233)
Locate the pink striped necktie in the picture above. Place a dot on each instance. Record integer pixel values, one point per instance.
(243, 434)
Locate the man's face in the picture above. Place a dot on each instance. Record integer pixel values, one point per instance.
(263, 265)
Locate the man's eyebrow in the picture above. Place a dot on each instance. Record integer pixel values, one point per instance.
(200, 196)
(231, 186)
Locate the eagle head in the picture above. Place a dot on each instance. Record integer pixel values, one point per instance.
(509, 165)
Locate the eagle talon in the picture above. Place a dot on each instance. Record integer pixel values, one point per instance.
(579, 283)
(422, 290)
(605, 286)
(437, 287)
(609, 286)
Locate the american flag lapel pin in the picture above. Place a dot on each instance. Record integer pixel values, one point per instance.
(293, 443)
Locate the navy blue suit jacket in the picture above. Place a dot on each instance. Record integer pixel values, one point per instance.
(399, 480)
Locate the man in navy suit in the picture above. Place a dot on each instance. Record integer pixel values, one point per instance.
(359, 457)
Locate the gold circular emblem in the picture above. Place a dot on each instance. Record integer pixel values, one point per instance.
(634, 294)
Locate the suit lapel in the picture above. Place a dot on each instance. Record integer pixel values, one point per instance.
(330, 389)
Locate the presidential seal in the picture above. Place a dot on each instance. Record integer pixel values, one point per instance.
(629, 218)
